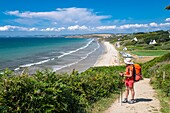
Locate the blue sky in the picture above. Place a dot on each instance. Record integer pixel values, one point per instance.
(82, 16)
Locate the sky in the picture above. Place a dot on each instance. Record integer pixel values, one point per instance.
(55, 17)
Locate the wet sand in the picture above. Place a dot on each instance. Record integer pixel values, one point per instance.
(106, 55)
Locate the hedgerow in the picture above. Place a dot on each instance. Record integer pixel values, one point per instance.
(158, 70)
(146, 66)
(47, 91)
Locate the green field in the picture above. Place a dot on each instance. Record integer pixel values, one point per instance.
(150, 53)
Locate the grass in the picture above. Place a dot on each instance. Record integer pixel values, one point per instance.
(150, 52)
(164, 101)
(104, 104)
(134, 48)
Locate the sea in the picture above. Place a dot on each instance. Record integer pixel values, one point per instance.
(58, 54)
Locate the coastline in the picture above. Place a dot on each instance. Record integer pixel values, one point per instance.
(86, 63)
(110, 56)
(105, 55)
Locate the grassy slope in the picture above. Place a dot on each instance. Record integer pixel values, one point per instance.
(158, 70)
(142, 47)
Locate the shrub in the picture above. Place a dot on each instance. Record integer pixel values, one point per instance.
(128, 43)
(46, 91)
(42, 92)
(149, 47)
(158, 70)
(165, 47)
(147, 65)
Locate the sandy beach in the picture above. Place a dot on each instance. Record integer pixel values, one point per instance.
(110, 56)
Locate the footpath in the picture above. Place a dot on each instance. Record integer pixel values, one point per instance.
(145, 94)
(146, 99)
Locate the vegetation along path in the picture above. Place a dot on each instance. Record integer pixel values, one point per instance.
(145, 97)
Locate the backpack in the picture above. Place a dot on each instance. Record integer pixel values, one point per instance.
(137, 72)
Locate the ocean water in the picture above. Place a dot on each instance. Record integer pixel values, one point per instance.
(40, 53)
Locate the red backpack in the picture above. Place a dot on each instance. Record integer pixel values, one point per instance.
(137, 72)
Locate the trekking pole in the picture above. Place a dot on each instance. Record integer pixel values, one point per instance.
(121, 90)
(121, 86)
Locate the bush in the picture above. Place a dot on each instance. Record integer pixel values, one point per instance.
(149, 47)
(165, 47)
(47, 91)
(42, 92)
(146, 66)
(160, 77)
(128, 43)
(160, 80)
(158, 70)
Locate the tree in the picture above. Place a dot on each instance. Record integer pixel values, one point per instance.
(167, 7)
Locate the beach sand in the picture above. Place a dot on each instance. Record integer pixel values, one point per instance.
(110, 56)
(107, 55)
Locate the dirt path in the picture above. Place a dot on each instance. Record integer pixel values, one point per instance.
(145, 95)
(146, 101)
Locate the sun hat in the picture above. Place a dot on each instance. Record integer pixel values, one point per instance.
(128, 61)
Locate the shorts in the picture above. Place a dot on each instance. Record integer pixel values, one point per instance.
(129, 83)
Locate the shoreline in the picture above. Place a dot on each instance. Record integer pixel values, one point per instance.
(106, 55)
(110, 56)
(86, 63)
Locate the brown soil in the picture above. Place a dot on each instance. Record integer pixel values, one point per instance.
(143, 59)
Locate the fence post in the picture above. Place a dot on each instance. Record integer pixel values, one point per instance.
(163, 75)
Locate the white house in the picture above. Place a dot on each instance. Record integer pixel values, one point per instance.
(124, 49)
(135, 39)
(152, 42)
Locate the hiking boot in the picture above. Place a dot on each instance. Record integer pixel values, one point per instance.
(125, 100)
(132, 101)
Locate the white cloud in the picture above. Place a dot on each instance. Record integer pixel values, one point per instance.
(83, 28)
(77, 27)
(164, 24)
(153, 24)
(129, 26)
(106, 27)
(4, 28)
(33, 29)
(10, 28)
(61, 28)
(16, 28)
(47, 29)
(167, 19)
(62, 16)
(53, 29)
(74, 19)
(12, 12)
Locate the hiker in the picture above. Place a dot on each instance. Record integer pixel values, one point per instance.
(129, 80)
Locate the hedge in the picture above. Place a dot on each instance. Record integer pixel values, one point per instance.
(47, 91)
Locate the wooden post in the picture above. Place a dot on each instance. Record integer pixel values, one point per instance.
(163, 75)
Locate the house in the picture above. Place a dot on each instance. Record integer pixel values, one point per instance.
(124, 49)
(135, 39)
(152, 42)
